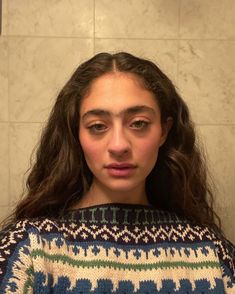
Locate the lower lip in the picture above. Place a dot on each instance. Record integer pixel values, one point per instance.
(121, 172)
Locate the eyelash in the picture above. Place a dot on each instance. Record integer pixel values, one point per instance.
(144, 124)
(93, 128)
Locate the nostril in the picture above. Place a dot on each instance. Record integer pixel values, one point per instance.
(118, 151)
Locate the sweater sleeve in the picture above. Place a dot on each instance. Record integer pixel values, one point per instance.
(226, 255)
(16, 270)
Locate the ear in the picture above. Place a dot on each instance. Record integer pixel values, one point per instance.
(166, 126)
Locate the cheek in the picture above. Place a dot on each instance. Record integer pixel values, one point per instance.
(148, 150)
(152, 140)
(91, 151)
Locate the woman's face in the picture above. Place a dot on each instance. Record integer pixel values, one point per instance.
(120, 132)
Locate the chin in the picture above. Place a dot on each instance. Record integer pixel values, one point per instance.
(122, 187)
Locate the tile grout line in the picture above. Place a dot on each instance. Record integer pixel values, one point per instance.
(21, 122)
(7, 22)
(1, 17)
(118, 38)
(94, 26)
(8, 105)
(216, 124)
(178, 42)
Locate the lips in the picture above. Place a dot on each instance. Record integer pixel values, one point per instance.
(121, 170)
(120, 165)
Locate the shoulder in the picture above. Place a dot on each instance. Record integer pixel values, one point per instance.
(16, 236)
(206, 240)
(21, 229)
(17, 242)
(206, 237)
(226, 255)
(204, 233)
(14, 233)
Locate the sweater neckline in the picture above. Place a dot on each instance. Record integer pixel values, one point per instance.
(119, 214)
(115, 204)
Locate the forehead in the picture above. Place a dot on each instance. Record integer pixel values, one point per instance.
(117, 91)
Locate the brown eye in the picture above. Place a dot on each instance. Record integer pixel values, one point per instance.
(140, 124)
(97, 128)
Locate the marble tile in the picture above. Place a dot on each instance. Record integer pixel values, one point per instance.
(206, 80)
(3, 79)
(51, 18)
(4, 212)
(23, 139)
(219, 142)
(38, 69)
(136, 19)
(4, 163)
(228, 222)
(214, 19)
(4, 17)
(162, 52)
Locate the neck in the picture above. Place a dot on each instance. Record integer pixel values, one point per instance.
(99, 194)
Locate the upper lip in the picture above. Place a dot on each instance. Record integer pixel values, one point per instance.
(120, 165)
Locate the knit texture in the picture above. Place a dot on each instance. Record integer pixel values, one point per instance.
(115, 248)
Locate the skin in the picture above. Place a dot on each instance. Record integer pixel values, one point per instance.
(119, 136)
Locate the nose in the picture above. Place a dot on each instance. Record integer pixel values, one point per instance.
(118, 143)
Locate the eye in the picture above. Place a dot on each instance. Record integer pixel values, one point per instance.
(140, 124)
(97, 128)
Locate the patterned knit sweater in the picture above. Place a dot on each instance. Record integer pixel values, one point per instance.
(114, 248)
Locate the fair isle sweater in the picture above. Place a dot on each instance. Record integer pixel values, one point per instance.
(114, 248)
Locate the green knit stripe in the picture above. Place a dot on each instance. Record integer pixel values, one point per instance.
(121, 266)
(28, 285)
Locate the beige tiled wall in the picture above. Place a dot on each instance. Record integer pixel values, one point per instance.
(43, 41)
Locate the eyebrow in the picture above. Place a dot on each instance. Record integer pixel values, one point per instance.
(129, 111)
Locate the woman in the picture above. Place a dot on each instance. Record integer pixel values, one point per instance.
(118, 199)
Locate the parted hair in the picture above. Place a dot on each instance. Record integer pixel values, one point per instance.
(59, 176)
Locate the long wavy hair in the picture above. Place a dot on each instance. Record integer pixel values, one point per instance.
(60, 176)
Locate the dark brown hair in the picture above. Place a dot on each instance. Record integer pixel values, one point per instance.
(60, 176)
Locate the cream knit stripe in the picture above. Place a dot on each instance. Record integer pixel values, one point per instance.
(117, 254)
(56, 258)
(158, 275)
